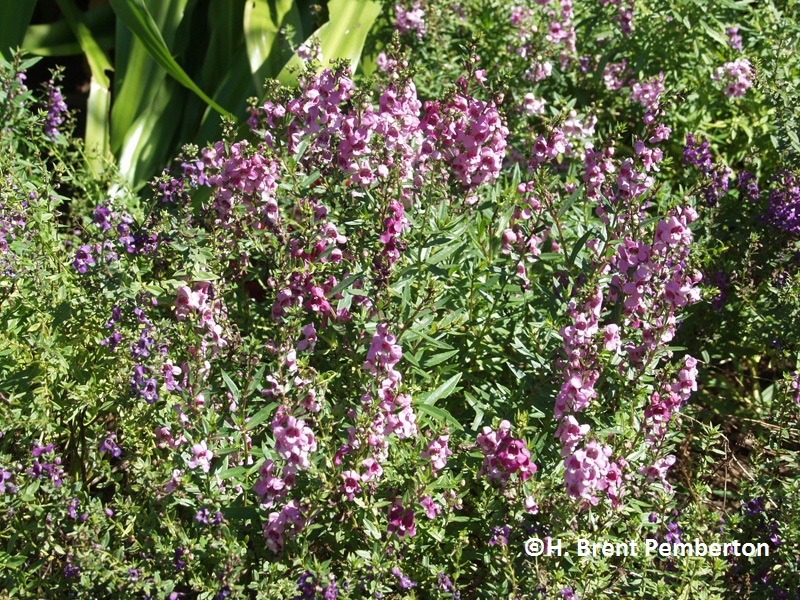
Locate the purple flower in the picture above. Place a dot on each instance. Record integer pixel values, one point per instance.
(784, 203)
(305, 586)
(140, 348)
(39, 450)
(673, 533)
(331, 592)
(5, 476)
(71, 571)
(110, 445)
(101, 216)
(401, 521)
(697, 154)
(83, 259)
(55, 108)
(112, 341)
(178, 561)
(500, 536)
(568, 593)
(403, 581)
(734, 39)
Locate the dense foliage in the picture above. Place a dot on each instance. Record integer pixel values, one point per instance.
(528, 272)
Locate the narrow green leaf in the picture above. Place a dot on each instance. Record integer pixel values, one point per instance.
(443, 391)
(229, 383)
(149, 141)
(57, 39)
(16, 17)
(342, 37)
(136, 17)
(440, 415)
(578, 246)
(232, 472)
(440, 358)
(225, 39)
(99, 102)
(260, 416)
(98, 115)
(98, 61)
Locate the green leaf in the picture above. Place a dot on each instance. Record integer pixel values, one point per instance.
(232, 472)
(98, 61)
(99, 102)
(369, 526)
(57, 39)
(342, 37)
(136, 17)
(16, 17)
(439, 414)
(443, 391)
(267, 52)
(440, 358)
(260, 416)
(578, 246)
(234, 389)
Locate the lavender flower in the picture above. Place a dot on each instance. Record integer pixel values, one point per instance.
(55, 108)
(784, 203)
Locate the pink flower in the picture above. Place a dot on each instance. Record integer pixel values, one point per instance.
(432, 510)
(201, 456)
(437, 452)
(351, 485)
(373, 469)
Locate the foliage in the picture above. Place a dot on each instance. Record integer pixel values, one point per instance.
(526, 277)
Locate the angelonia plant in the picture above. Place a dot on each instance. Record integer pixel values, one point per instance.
(374, 339)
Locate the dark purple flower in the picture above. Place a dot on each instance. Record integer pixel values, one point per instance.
(178, 561)
(71, 571)
(225, 592)
(112, 340)
(754, 507)
(784, 203)
(697, 154)
(747, 185)
(83, 259)
(305, 586)
(140, 348)
(116, 314)
(101, 216)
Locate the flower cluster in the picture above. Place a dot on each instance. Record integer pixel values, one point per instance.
(469, 137)
(588, 471)
(784, 203)
(504, 455)
(736, 76)
(286, 522)
(56, 107)
(734, 39)
(648, 92)
(409, 21)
